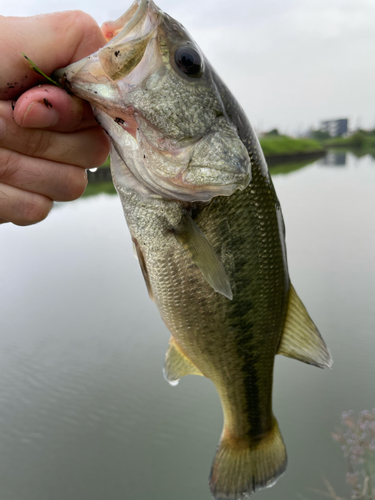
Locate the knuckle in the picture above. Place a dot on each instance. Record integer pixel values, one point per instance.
(36, 209)
(9, 164)
(74, 28)
(78, 185)
(72, 183)
(85, 20)
(101, 152)
(83, 28)
(37, 144)
(87, 25)
(71, 19)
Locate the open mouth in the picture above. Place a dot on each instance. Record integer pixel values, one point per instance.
(97, 77)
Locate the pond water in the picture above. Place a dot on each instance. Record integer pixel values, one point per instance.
(85, 413)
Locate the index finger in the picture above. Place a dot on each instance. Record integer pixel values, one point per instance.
(49, 107)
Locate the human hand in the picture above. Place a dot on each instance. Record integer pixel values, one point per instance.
(47, 137)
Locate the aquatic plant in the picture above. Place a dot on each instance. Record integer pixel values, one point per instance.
(357, 439)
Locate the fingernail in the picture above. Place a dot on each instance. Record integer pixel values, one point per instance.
(3, 128)
(40, 115)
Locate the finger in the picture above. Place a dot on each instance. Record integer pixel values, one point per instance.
(86, 148)
(49, 107)
(22, 207)
(56, 181)
(51, 41)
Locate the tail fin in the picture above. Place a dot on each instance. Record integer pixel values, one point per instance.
(242, 466)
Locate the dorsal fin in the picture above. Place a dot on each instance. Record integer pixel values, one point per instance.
(301, 339)
(177, 365)
(203, 255)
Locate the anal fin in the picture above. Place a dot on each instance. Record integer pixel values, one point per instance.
(203, 255)
(301, 339)
(177, 365)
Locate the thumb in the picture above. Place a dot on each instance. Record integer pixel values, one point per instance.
(51, 41)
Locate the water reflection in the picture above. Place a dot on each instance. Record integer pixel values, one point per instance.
(334, 158)
(358, 153)
(84, 410)
(286, 168)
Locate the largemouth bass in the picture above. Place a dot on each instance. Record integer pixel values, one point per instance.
(207, 229)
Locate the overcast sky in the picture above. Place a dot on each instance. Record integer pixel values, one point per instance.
(290, 63)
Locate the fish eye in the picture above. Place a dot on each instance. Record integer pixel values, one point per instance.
(189, 61)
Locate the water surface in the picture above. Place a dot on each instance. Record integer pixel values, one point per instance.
(85, 413)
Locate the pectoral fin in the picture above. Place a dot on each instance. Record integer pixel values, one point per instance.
(301, 339)
(203, 255)
(177, 365)
(142, 264)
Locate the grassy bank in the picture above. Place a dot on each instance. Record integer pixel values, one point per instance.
(275, 145)
(361, 140)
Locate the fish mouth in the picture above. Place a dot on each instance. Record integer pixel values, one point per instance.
(126, 60)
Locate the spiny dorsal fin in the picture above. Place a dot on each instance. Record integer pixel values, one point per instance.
(177, 365)
(203, 255)
(301, 339)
